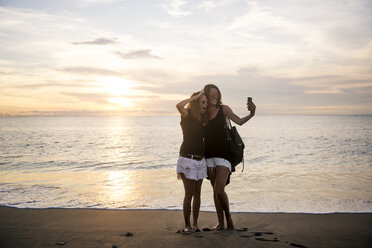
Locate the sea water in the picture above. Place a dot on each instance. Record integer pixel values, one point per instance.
(312, 164)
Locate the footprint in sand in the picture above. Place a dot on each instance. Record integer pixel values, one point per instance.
(267, 240)
(262, 233)
(296, 245)
(260, 237)
(257, 234)
(246, 236)
(128, 234)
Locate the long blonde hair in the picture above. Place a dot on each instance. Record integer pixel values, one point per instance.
(194, 107)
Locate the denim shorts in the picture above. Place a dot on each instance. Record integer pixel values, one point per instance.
(214, 161)
(192, 169)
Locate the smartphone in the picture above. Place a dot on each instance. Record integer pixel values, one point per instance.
(249, 99)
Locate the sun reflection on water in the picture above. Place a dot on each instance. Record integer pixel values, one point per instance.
(118, 186)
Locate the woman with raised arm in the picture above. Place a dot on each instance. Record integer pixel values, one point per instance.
(217, 153)
(191, 165)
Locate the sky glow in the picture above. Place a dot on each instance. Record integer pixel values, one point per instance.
(126, 57)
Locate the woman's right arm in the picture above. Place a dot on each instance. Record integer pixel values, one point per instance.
(240, 121)
(181, 105)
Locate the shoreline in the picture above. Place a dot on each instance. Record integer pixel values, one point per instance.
(180, 209)
(85, 227)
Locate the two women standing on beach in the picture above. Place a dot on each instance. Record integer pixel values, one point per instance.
(204, 135)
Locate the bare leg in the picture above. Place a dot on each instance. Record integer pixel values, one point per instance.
(196, 203)
(219, 210)
(222, 174)
(189, 187)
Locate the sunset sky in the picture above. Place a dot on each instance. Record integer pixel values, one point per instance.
(137, 57)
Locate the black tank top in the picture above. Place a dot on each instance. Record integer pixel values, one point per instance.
(192, 130)
(215, 137)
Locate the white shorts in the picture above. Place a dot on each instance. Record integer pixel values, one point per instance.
(192, 169)
(214, 161)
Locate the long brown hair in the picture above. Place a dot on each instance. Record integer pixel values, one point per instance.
(194, 107)
(208, 88)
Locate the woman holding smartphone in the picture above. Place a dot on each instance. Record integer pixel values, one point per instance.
(216, 150)
(191, 165)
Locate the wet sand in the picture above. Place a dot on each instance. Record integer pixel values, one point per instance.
(159, 228)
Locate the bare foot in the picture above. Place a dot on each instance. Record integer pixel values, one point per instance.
(195, 228)
(230, 224)
(188, 229)
(218, 227)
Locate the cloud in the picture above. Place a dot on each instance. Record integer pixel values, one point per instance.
(100, 1)
(100, 98)
(136, 54)
(70, 113)
(31, 40)
(278, 95)
(207, 5)
(339, 26)
(352, 87)
(331, 85)
(262, 23)
(174, 8)
(97, 41)
(89, 70)
(104, 97)
(326, 92)
(50, 85)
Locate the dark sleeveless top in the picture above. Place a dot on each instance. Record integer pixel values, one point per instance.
(215, 137)
(192, 130)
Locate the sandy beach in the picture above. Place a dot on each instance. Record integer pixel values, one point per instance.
(159, 228)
